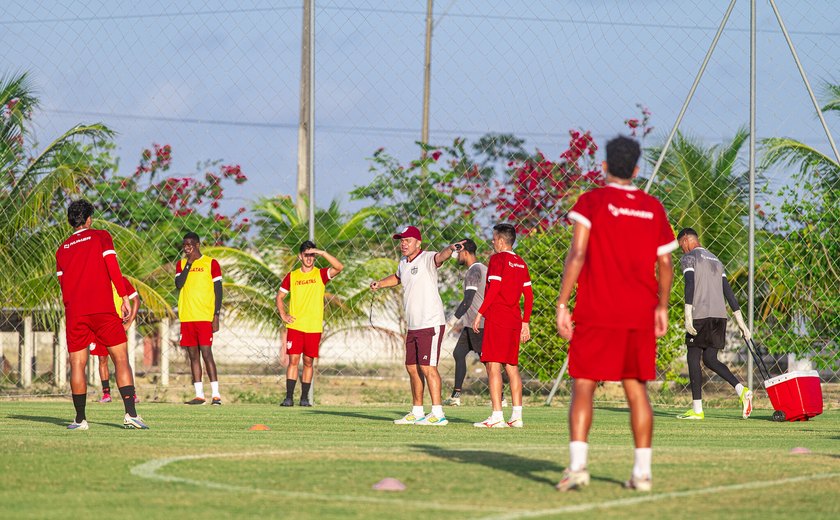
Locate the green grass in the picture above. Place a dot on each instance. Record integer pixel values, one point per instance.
(321, 463)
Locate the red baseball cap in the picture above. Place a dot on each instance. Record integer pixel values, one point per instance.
(409, 232)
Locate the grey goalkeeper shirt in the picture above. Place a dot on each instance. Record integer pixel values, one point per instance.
(476, 278)
(708, 301)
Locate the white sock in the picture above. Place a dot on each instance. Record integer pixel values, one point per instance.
(497, 415)
(199, 389)
(516, 413)
(578, 451)
(697, 405)
(417, 411)
(214, 388)
(738, 389)
(437, 410)
(641, 464)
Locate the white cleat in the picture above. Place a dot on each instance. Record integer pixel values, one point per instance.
(408, 418)
(516, 423)
(491, 423)
(78, 426)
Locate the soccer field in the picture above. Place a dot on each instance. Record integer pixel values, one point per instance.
(202, 462)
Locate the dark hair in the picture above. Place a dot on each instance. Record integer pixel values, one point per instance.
(307, 245)
(191, 235)
(506, 231)
(469, 246)
(78, 212)
(687, 231)
(622, 156)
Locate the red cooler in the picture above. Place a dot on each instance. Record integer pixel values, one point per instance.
(795, 396)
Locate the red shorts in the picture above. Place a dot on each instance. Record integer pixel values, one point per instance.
(422, 346)
(500, 344)
(306, 343)
(91, 330)
(197, 334)
(605, 354)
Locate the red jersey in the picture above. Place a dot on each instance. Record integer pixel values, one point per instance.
(86, 265)
(628, 230)
(508, 280)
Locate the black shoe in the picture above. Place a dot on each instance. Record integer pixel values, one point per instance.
(196, 401)
(305, 402)
(287, 402)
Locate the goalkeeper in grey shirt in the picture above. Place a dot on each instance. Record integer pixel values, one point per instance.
(469, 340)
(706, 288)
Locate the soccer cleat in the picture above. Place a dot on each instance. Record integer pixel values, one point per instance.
(432, 420)
(134, 422)
(287, 402)
(305, 402)
(452, 401)
(408, 418)
(692, 415)
(78, 426)
(573, 480)
(106, 398)
(635, 483)
(516, 423)
(217, 401)
(136, 399)
(491, 423)
(196, 401)
(746, 399)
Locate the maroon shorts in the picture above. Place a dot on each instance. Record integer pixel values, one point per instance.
(422, 346)
(90, 330)
(197, 334)
(306, 343)
(500, 344)
(605, 354)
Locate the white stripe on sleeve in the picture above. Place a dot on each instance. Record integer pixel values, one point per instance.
(667, 248)
(217, 279)
(473, 287)
(494, 277)
(108, 252)
(526, 284)
(132, 295)
(59, 273)
(687, 269)
(284, 291)
(577, 217)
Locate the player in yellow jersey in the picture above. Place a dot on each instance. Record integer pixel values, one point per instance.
(102, 352)
(305, 319)
(199, 280)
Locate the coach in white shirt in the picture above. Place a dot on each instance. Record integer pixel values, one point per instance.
(417, 272)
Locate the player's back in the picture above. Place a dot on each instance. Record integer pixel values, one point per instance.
(628, 231)
(85, 283)
(511, 273)
(709, 272)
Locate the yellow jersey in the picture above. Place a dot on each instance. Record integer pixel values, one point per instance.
(307, 298)
(132, 293)
(197, 300)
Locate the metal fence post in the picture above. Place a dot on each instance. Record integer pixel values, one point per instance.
(61, 355)
(164, 351)
(27, 349)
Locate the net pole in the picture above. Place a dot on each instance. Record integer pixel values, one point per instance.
(751, 276)
(690, 95)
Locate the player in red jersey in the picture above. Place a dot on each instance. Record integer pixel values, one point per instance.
(86, 265)
(508, 280)
(621, 238)
(102, 352)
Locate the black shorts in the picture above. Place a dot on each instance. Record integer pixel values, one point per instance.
(711, 333)
(469, 340)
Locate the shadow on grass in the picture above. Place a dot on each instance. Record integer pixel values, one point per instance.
(56, 421)
(521, 467)
(656, 413)
(353, 415)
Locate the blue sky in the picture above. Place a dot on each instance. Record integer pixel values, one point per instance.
(219, 80)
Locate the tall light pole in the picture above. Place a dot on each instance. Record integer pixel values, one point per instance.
(427, 72)
(305, 201)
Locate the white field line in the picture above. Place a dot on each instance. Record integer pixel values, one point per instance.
(639, 499)
(149, 470)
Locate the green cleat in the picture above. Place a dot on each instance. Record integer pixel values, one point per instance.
(692, 415)
(746, 399)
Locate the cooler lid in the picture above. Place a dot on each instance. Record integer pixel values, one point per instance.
(789, 376)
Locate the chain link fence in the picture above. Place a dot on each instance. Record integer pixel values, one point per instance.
(186, 118)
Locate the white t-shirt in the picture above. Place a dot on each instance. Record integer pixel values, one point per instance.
(421, 299)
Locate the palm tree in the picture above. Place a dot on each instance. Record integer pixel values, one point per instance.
(701, 188)
(799, 267)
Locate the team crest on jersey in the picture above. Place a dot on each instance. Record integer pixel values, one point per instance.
(414, 270)
(288, 345)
